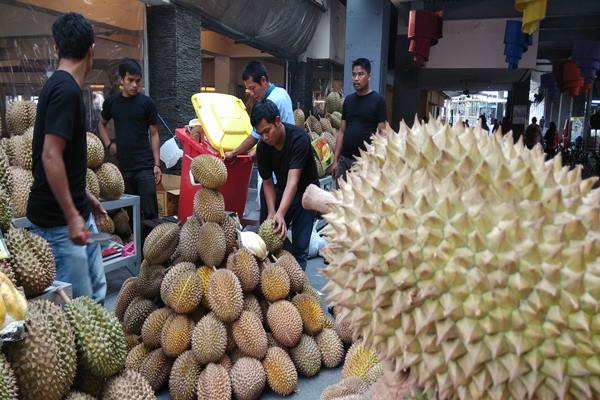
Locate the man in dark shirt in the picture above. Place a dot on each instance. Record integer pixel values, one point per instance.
(139, 155)
(286, 151)
(60, 208)
(363, 114)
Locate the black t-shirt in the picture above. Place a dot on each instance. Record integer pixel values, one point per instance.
(133, 116)
(362, 114)
(60, 112)
(296, 154)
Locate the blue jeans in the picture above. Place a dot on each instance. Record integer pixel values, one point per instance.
(300, 220)
(81, 266)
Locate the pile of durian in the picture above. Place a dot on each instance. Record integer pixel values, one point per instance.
(470, 264)
(74, 353)
(211, 319)
(323, 127)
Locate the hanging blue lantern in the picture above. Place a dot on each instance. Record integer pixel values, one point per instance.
(586, 54)
(515, 43)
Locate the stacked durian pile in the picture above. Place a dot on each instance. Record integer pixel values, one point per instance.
(212, 319)
(77, 353)
(474, 265)
(323, 127)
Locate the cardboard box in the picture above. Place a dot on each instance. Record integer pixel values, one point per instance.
(167, 194)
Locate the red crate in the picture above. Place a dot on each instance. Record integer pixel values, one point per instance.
(235, 190)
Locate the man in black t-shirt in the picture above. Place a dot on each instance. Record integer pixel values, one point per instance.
(60, 208)
(285, 150)
(138, 154)
(363, 114)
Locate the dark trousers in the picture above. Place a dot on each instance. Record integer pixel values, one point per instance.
(300, 220)
(141, 183)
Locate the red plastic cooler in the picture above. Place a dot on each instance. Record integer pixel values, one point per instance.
(235, 190)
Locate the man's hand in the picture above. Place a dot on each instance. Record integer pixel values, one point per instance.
(97, 210)
(229, 156)
(157, 175)
(280, 227)
(334, 169)
(112, 148)
(78, 233)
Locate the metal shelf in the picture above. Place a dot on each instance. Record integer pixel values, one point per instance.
(132, 263)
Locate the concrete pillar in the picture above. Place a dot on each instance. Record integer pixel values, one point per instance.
(174, 61)
(223, 75)
(367, 26)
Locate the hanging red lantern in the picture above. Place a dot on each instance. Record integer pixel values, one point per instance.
(572, 80)
(424, 31)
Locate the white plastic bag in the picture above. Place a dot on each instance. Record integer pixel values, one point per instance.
(170, 153)
(317, 242)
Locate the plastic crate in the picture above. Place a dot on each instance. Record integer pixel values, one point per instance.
(235, 190)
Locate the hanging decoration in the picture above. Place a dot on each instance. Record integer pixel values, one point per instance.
(424, 31)
(548, 83)
(586, 54)
(515, 43)
(572, 80)
(533, 12)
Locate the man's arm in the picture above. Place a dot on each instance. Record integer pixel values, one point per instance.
(291, 188)
(243, 148)
(339, 141)
(269, 189)
(155, 144)
(106, 142)
(56, 174)
(381, 128)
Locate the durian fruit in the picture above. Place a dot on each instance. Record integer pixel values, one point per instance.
(225, 362)
(136, 356)
(311, 313)
(161, 243)
(285, 323)
(188, 247)
(282, 376)
(320, 170)
(343, 329)
(7, 145)
(344, 389)
(20, 116)
(176, 335)
(209, 339)
(333, 102)
(105, 224)
(88, 383)
(98, 335)
(253, 242)
(138, 310)
(181, 289)
(131, 341)
(23, 146)
(249, 335)
(74, 395)
(152, 327)
(480, 246)
(121, 220)
(251, 304)
(111, 181)
(8, 382)
(6, 212)
(184, 377)
(31, 260)
(5, 178)
(156, 368)
(230, 230)
(325, 125)
(211, 244)
(204, 273)
(274, 282)
(331, 348)
(128, 292)
(311, 291)
(150, 280)
(306, 356)
(375, 372)
(299, 118)
(44, 362)
(248, 378)
(298, 279)
(209, 206)
(130, 385)
(214, 383)
(244, 265)
(92, 184)
(359, 360)
(225, 295)
(313, 124)
(22, 180)
(6, 269)
(209, 171)
(95, 151)
(267, 232)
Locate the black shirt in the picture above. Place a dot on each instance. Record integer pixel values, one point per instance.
(133, 116)
(60, 112)
(362, 114)
(297, 153)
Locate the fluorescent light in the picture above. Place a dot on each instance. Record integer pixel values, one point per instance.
(596, 101)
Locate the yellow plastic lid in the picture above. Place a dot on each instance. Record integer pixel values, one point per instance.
(223, 118)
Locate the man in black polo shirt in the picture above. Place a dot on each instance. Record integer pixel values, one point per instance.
(60, 208)
(363, 114)
(138, 154)
(286, 151)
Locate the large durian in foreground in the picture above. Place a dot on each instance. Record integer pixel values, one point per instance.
(473, 263)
